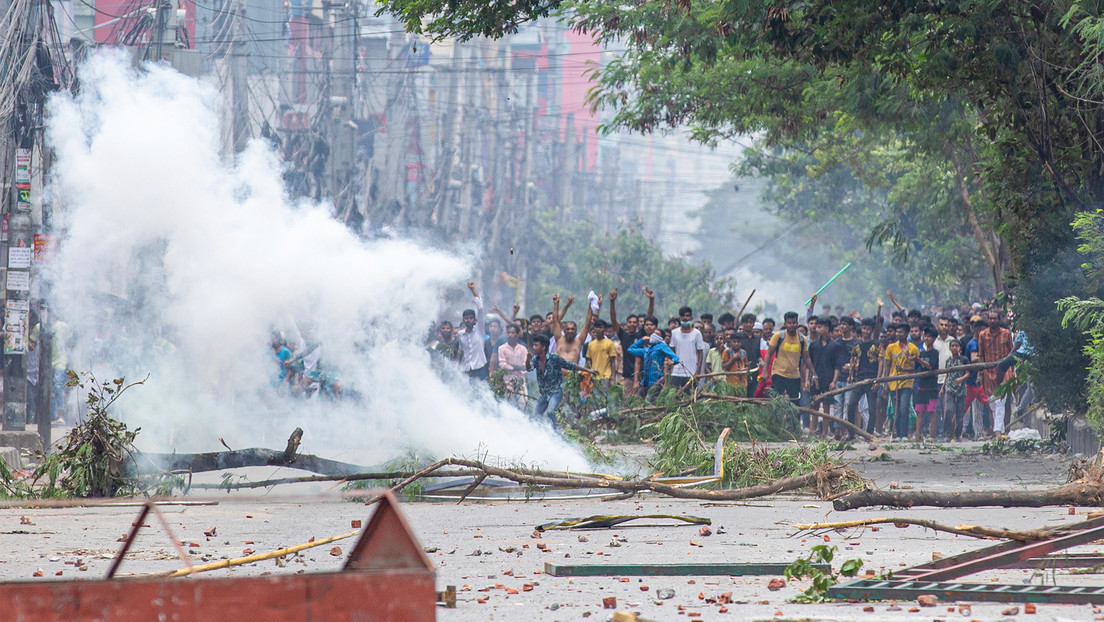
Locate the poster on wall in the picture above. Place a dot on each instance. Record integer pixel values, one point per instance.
(44, 247)
(15, 326)
(19, 257)
(19, 281)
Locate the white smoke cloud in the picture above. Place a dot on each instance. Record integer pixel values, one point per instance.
(162, 237)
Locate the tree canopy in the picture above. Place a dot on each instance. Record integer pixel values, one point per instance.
(962, 131)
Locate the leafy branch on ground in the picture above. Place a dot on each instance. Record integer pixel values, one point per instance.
(96, 457)
(682, 448)
(806, 568)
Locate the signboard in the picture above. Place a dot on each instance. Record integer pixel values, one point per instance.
(45, 245)
(15, 326)
(19, 257)
(19, 281)
(23, 166)
(23, 193)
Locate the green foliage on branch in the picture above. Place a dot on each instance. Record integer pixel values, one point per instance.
(805, 568)
(937, 124)
(1086, 315)
(465, 19)
(576, 258)
(96, 458)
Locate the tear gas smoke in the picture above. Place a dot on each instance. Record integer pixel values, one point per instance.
(166, 242)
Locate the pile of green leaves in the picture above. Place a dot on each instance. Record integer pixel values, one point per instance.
(96, 458)
(683, 449)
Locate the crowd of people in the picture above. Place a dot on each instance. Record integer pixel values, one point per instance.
(804, 359)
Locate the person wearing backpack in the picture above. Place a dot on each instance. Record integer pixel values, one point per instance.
(788, 352)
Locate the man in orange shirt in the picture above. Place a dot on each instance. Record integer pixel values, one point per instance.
(994, 343)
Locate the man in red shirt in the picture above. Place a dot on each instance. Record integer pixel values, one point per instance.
(994, 343)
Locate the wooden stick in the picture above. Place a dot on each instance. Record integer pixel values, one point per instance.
(974, 531)
(240, 561)
(741, 311)
(922, 374)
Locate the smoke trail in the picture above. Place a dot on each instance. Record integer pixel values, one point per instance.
(163, 239)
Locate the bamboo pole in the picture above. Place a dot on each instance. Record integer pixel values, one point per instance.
(251, 559)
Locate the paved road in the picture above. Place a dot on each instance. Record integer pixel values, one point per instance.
(479, 545)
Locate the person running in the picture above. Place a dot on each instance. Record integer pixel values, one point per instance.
(549, 368)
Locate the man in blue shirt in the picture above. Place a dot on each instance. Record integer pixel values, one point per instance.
(654, 354)
(549, 368)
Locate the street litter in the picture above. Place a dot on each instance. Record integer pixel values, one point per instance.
(600, 522)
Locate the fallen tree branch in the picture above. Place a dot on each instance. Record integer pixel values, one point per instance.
(823, 480)
(920, 374)
(355, 477)
(220, 460)
(974, 531)
(1077, 494)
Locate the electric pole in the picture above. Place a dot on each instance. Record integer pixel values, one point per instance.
(239, 85)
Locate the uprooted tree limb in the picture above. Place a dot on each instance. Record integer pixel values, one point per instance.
(1085, 487)
(825, 481)
(220, 460)
(974, 531)
(1076, 493)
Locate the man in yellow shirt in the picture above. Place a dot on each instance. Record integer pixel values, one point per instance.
(900, 359)
(788, 359)
(601, 352)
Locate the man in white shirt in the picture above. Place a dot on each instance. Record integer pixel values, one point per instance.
(473, 358)
(943, 346)
(689, 346)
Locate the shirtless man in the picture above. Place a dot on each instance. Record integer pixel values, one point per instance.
(569, 339)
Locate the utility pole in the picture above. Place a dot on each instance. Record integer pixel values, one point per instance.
(569, 159)
(31, 30)
(239, 100)
(162, 22)
(342, 81)
(449, 160)
(528, 118)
